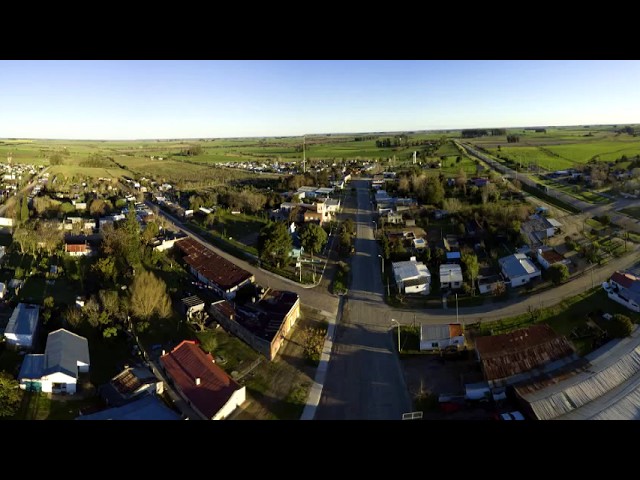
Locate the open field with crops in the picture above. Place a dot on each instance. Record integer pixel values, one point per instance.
(556, 148)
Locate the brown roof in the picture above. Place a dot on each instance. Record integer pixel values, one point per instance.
(187, 362)
(225, 308)
(76, 248)
(509, 354)
(455, 330)
(624, 279)
(552, 256)
(212, 266)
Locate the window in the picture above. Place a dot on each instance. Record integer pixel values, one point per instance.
(434, 344)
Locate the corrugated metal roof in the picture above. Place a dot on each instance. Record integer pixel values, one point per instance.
(23, 320)
(63, 352)
(146, 408)
(510, 354)
(608, 389)
(440, 332)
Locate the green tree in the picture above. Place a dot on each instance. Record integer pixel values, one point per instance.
(620, 326)
(471, 267)
(313, 238)
(274, 243)
(434, 192)
(106, 267)
(149, 296)
(150, 232)
(386, 247)
(558, 273)
(10, 395)
(24, 210)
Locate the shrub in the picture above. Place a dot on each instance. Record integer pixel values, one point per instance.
(620, 326)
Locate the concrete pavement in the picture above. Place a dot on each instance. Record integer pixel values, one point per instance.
(364, 379)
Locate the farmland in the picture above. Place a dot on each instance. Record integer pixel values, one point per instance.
(552, 149)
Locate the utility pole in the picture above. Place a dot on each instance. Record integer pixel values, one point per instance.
(457, 318)
(304, 154)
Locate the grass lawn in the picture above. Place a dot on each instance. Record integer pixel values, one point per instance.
(39, 406)
(632, 212)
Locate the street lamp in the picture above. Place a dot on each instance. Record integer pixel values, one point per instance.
(382, 261)
(376, 225)
(394, 320)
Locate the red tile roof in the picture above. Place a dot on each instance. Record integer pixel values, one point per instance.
(624, 279)
(552, 256)
(76, 248)
(212, 266)
(187, 362)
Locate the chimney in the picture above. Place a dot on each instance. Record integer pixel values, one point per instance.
(197, 381)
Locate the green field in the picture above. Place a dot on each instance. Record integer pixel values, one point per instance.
(558, 148)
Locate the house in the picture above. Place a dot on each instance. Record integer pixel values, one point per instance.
(332, 205)
(450, 276)
(262, 324)
(518, 269)
(539, 228)
(490, 283)
(548, 257)
(324, 191)
(377, 182)
(412, 276)
(212, 393)
(394, 218)
(22, 325)
(221, 275)
(130, 384)
(147, 407)
(624, 288)
(419, 244)
(57, 370)
(441, 337)
(192, 305)
(78, 249)
(3, 290)
(508, 358)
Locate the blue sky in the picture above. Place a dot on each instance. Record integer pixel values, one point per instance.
(187, 99)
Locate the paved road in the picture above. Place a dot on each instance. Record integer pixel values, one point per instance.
(364, 379)
(316, 297)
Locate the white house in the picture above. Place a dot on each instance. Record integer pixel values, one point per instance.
(22, 325)
(518, 269)
(489, 283)
(412, 276)
(538, 228)
(624, 288)
(549, 257)
(450, 276)
(56, 371)
(441, 336)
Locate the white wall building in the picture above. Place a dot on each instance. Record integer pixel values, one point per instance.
(441, 337)
(56, 371)
(22, 325)
(412, 276)
(450, 276)
(518, 269)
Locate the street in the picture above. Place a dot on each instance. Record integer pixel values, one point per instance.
(364, 378)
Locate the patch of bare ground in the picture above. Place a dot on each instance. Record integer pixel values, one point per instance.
(278, 390)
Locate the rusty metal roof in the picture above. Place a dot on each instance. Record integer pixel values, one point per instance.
(509, 354)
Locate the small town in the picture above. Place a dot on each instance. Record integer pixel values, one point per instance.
(434, 274)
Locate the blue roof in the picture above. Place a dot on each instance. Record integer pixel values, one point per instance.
(453, 254)
(23, 320)
(32, 367)
(148, 407)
